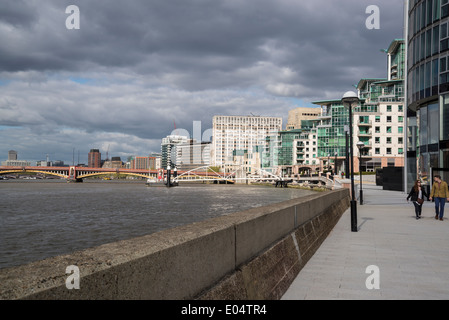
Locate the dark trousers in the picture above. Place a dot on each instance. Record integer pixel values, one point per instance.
(418, 208)
(439, 206)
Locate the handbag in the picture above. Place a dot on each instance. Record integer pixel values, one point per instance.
(420, 201)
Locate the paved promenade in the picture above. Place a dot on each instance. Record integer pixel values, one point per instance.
(412, 255)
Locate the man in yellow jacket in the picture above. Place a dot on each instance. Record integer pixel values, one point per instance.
(439, 193)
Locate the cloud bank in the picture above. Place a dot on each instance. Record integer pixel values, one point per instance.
(136, 69)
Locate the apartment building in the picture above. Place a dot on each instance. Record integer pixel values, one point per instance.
(378, 121)
(192, 155)
(297, 115)
(290, 152)
(239, 133)
(168, 150)
(94, 158)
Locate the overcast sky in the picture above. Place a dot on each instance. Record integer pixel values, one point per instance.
(135, 69)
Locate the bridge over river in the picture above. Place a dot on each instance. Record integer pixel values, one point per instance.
(205, 173)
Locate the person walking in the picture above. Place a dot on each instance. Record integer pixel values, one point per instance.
(417, 195)
(439, 193)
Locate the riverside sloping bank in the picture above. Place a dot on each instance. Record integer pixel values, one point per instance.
(252, 254)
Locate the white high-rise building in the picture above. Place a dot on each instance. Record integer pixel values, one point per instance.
(239, 133)
(168, 148)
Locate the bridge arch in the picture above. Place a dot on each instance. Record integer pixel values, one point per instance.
(33, 171)
(93, 174)
(211, 174)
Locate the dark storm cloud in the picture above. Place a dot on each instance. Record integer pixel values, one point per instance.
(137, 67)
(203, 42)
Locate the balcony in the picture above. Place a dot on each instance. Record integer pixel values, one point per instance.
(364, 133)
(364, 123)
(368, 144)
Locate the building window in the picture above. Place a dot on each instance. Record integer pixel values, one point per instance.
(400, 140)
(444, 9)
(388, 140)
(388, 108)
(377, 150)
(436, 10)
(433, 114)
(400, 129)
(377, 140)
(377, 129)
(400, 108)
(377, 118)
(388, 129)
(436, 36)
(401, 150)
(388, 118)
(444, 117)
(388, 150)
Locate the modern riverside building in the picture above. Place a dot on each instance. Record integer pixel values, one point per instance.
(192, 154)
(296, 116)
(94, 160)
(290, 152)
(16, 163)
(168, 148)
(427, 25)
(332, 127)
(13, 161)
(378, 121)
(12, 155)
(239, 133)
(142, 163)
(247, 162)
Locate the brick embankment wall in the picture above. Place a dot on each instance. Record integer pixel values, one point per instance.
(253, 254)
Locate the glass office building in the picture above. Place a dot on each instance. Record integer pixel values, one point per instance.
(427, 89)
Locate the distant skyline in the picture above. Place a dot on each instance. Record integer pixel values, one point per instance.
(134, 70)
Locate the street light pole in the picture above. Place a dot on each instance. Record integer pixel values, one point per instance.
(348, 99)
(335, 164)
(360, 145)
(347, 152)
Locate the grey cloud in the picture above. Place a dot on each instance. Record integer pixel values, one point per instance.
(153, 63)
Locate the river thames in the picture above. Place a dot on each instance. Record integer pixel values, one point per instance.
(45, 218)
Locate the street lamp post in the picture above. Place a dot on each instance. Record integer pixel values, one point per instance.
(360, 145)
(347, 151)
(328, 162)
(335, 163)
(349, 98)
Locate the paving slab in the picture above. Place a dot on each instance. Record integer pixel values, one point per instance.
(411, 256)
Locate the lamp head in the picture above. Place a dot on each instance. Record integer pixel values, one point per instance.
(360, 145)
(349, 97)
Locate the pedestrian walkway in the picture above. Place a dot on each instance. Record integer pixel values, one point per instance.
(412, 255)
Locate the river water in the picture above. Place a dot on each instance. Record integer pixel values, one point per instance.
(45, 218)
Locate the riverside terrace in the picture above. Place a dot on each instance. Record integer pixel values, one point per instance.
(412, 256)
